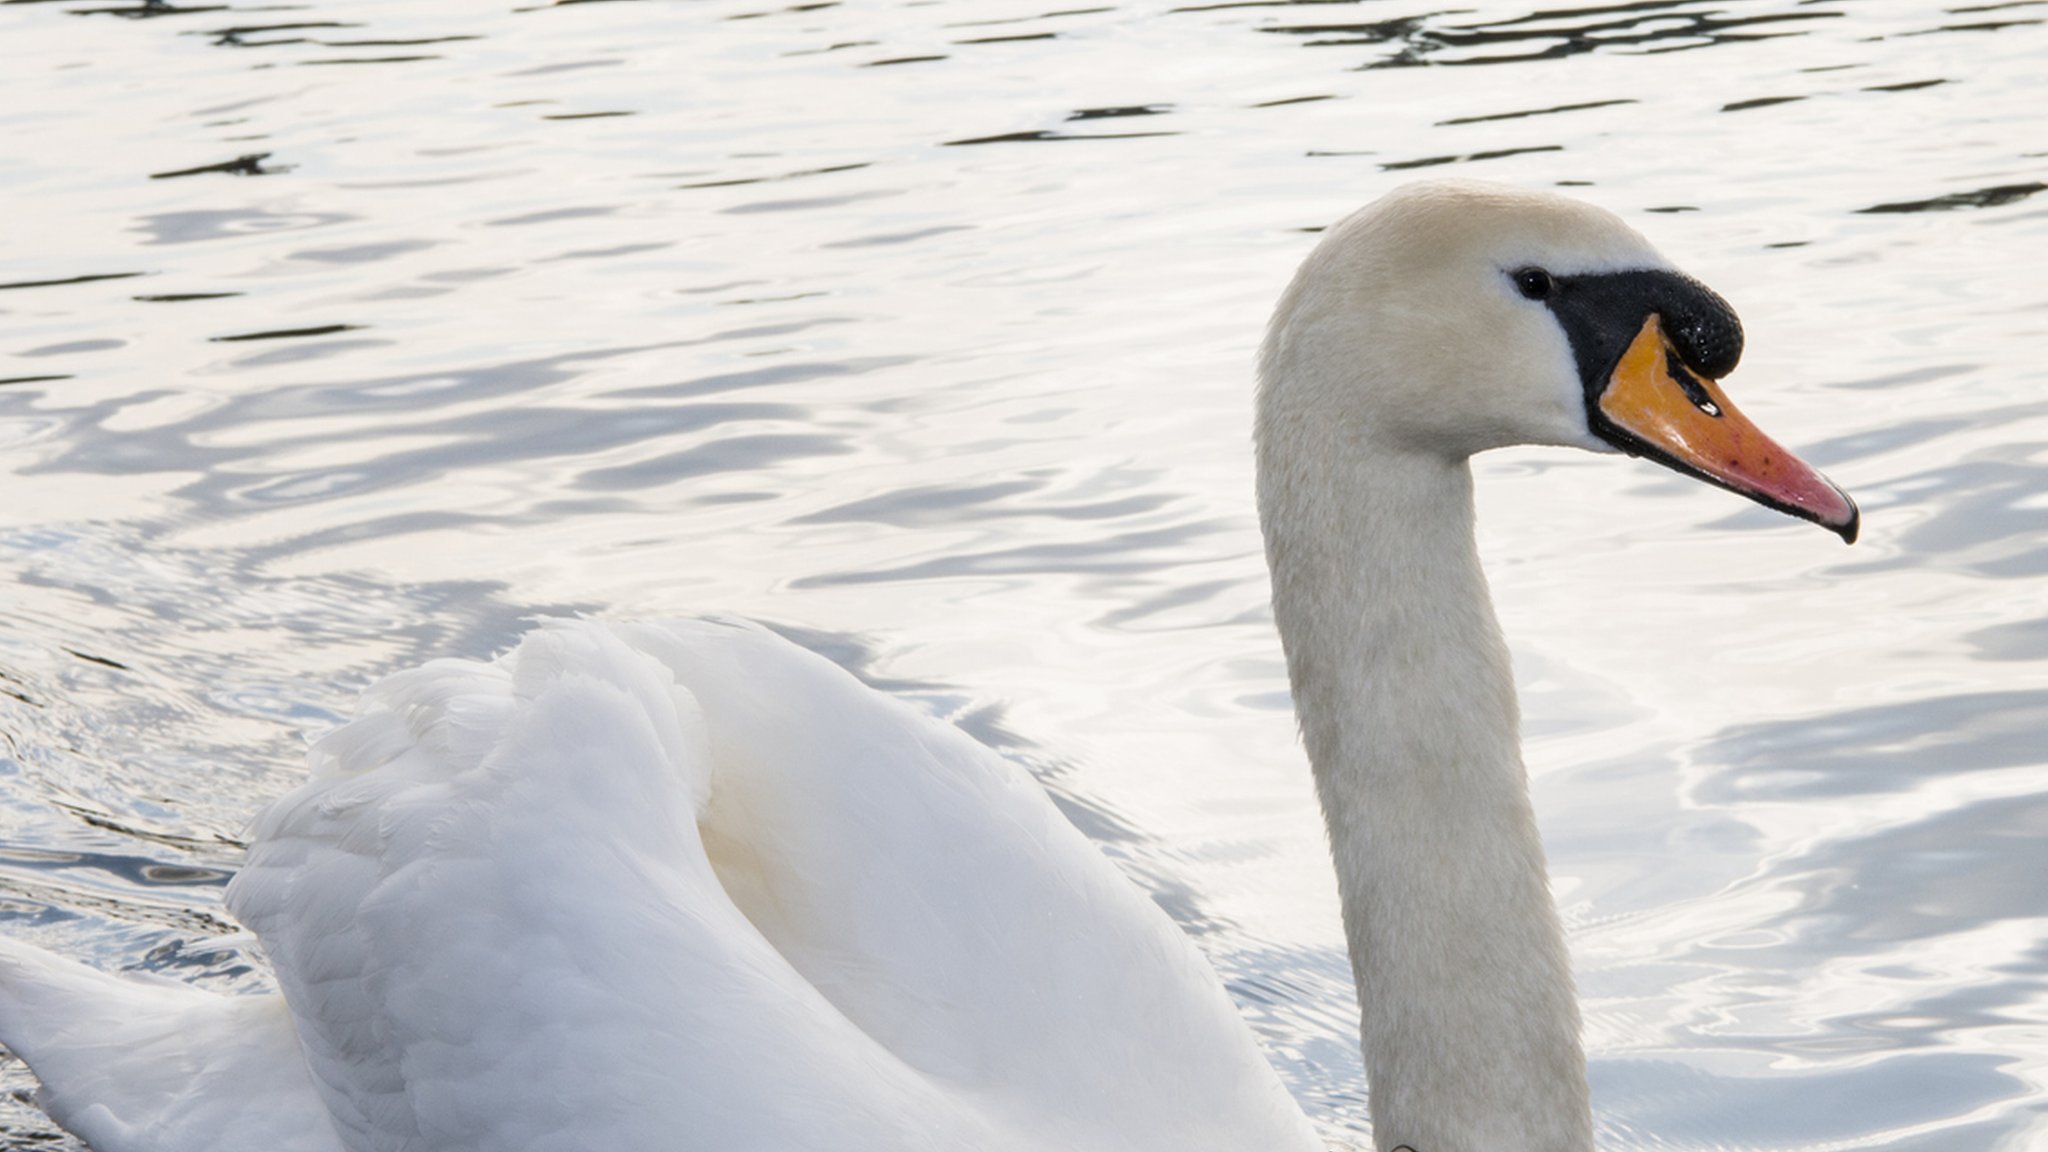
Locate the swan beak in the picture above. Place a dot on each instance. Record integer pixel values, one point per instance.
(1652, 406)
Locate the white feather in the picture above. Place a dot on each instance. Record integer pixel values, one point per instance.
(494, 918)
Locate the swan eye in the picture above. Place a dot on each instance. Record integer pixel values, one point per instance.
(1534, 283)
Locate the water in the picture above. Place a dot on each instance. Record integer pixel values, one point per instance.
(338, 336)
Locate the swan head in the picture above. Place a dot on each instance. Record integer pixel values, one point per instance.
(1450, 317)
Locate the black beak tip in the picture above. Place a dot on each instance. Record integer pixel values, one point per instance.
(1848, 531)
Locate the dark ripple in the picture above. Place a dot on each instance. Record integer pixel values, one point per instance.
(73, 347)
(150, 10)
(524, 433)
(1054, 15)
(287, 333)
(1985, 517)
(796, 175)
(305, 353)
(1925, 375)
(369, 60)
(1760, 102)
(1979, 26)
(1021, 36)
(757, 453)
(1173, 598)
(1949, 874)
(1883, 748)
(1122, 553)
(1114, 112)
(2023, 640)
(939, 505)
(918, 507)
(549, 216)
(223, 223)
(364, 253)
(1980, 198)
(1551, 111)
(196, 961)
(418, 406)
(237, 36)
(891, 239)
(609, 253)
(140, 871)
(805, 204)
(1647, 26)
(22, 899)
(1032, 137)
(765, 377)
(87, 279)
(1468, 157)
(1120, 111)
(406, 42)
(1818, 1107)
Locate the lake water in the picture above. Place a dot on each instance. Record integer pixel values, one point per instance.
(333, 337)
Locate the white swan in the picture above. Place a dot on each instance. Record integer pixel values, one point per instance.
(637, 887)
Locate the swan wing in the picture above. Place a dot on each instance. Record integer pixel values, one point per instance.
(931, 891)
(134, 1064)
(626, 884)
(496, 926)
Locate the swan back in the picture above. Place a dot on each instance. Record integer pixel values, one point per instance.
(631, 882)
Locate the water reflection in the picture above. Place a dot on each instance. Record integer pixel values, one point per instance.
(201, 225)
(1883, 748)
(246, 165)
(1979, 198)
(72, 280)
(1648, 25)
(1960, 872)
(1525, 113)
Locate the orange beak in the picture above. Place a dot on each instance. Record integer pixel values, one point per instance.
(1661, 410)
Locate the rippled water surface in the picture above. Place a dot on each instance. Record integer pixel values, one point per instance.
(334, 336)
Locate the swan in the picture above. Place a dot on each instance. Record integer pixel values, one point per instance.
(686, 885)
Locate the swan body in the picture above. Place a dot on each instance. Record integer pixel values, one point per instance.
(650, 886)
(671, 885)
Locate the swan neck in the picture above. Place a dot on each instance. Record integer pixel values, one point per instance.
(1406, 699)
